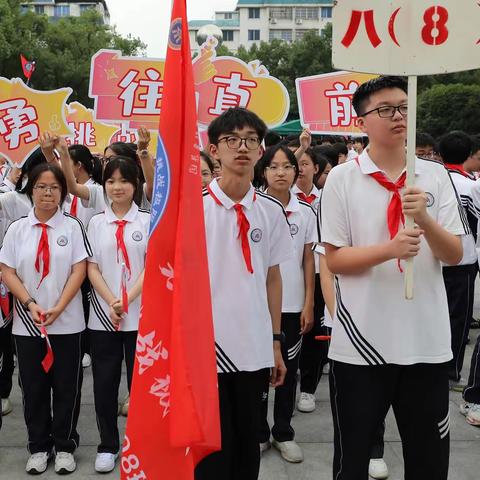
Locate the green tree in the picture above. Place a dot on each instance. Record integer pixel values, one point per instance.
(442, 108)
(62, 50)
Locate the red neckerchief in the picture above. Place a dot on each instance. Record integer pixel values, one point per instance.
(309, 199)
(121, 244)
(43, 252)
(243, 228)
(74, 206)
(47, 361)
(457, 168)
(394, 210)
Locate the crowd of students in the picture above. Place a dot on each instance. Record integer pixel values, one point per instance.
(306, 249)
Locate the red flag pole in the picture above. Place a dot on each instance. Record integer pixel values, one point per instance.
(173, 418)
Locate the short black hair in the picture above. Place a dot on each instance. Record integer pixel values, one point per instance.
(235, 119)
(328, 152)
(340, 148)
(366, 90)
(34, 175)
(204, 156)
(34, 159)
(424, 140)
(82, 154)
(455, 147)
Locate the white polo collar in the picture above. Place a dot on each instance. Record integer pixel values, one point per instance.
(226, 201)
(130, 216)
(53, 222)
(367, 165)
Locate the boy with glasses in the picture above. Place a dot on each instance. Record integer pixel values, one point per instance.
(247, 236)
(385, 350)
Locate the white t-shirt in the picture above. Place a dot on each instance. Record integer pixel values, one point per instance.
(68, 245)
(84, 214)
(242, 322)
(463, 187)
(301, 218)
(373, 323)
(101, 234)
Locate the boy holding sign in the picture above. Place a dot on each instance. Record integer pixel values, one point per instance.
(387, 351)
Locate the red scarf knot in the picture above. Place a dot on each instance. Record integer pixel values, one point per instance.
(43, 253)
(309, 199)
(121, 247)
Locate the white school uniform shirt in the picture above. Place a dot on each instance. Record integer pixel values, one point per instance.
(314, 191)
(68, 245)
(84, 214)
(101, 234)
(13, 205)
(463, 186)
(373, 323)
(242, 322)
(301, 218)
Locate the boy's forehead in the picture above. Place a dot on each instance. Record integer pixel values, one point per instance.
(242, 131)
(388, 96)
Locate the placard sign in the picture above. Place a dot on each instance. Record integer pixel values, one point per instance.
(406, 37)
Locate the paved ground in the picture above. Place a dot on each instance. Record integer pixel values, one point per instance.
(314, 433)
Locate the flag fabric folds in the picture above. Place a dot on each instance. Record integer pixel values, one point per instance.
(28, 67)
(173, 419)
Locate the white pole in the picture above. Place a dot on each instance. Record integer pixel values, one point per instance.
(410, 182)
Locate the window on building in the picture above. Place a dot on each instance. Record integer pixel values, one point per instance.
(326, 12)
(62, 11)
(285, 35)
(254, 12)
(227, 35)
(254, 35)
(299, 34)
(85, 7)
(24, 8)
(228, 15)
(284, 13)
(39, 9)
(306, 13)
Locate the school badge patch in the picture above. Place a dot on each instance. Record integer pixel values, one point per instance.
(256, 235)
(137, 236)
(430, 199)
(62, 241)
(293, 229)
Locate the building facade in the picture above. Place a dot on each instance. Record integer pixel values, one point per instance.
(56, 9)
(254, 21)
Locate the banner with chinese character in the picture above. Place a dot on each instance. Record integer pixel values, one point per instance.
(86, 130)
(405, 37)
(173, 419)
(97, 136)
(25, 113)
(128, 90)
(325, 102)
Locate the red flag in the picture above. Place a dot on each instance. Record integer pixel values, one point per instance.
(27, 67)
(173, 418)
(47, 361)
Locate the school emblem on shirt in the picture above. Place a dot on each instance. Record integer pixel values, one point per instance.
(3, 290)
(293, 228)
(256, 235)
(430, 199)
(137, 236)
(62, 240)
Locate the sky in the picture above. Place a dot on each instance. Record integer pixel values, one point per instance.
(149, 19)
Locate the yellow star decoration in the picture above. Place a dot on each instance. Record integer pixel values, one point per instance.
(110, 72)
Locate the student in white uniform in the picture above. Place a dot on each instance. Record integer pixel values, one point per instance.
(249, 229)
(455, 148)
(386, 350)
(118, 237)
(88, 171)
(280, 169)
(43, 264)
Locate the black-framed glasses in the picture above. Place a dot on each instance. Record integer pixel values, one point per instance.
(388, 111)
(235, 142)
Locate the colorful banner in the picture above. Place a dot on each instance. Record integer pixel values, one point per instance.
(129, 90)
(325, 102)
(25, 113)
(98, 136)
(86, 130)
(173, 419)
